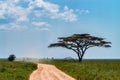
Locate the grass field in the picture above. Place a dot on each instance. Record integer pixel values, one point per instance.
(15, 70)
(89, 69)
(85, 70)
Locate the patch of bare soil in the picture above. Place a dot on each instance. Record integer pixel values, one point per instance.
(49, 72)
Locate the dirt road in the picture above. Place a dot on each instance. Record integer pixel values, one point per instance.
(49, 72)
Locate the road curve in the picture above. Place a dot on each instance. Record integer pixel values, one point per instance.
(48, 72)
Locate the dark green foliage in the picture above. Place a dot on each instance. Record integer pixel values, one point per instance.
(89, 69)
(11, 57)
(16, 70)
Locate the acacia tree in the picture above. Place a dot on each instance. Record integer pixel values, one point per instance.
(79, 43)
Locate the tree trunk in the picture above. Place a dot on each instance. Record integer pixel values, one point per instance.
(83, 52)
(79, 57)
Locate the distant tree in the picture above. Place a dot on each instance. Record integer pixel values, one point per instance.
(79, 43)
(11, 57)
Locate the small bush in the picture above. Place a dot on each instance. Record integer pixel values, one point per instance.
(11, 57)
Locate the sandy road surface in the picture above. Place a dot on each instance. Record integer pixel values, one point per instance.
(49, 72)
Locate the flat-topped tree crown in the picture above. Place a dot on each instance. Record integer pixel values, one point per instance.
(79, 43)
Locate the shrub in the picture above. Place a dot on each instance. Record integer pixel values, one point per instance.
(11, 57)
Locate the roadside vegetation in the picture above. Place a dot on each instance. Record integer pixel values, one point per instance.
(15, 70)
(89, 69)
(85, 70)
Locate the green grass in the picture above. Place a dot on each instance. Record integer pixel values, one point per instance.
(85, 70)
(89, 69)
(15, 70)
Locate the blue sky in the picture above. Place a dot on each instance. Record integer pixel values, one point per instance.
(27, 27)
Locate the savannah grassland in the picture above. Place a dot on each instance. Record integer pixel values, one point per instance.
(90, 69)
(15, 70)
(85, 70)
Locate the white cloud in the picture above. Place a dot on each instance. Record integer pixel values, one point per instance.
(42, 29)
(36, 9)
(37, 13)
(3, 28)
(2, 9)
(53, 11)
(68, 14)
(12, 26)
(47, 6)
(1, 15)
(66, 8)
(17, 26)
(39, 24)
(22, 19)
(9, 8)
(17, 14)
(82, 11)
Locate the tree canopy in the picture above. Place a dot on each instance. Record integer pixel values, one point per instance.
(79, 43)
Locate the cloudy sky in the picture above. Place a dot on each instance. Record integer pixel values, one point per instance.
(27, 27)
